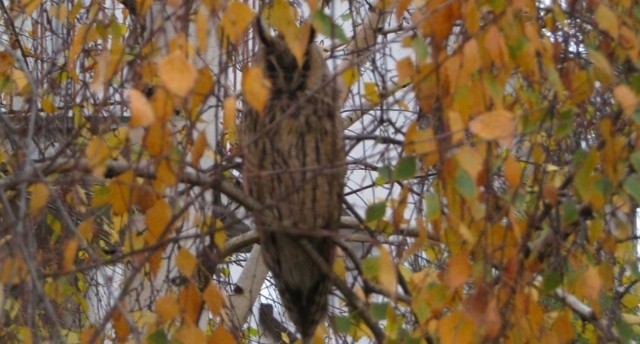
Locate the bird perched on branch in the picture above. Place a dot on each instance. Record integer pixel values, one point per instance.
(294, 165)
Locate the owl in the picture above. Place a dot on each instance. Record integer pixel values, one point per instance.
(294, 165)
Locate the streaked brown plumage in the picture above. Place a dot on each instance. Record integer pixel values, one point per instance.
(294, 164)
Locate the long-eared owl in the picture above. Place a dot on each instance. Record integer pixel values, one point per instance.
(294, 165)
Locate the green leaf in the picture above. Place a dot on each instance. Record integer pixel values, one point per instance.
(370, 267)
(635, 160)
(421, 48)
(465, 185)
(158, 337)
(325, 25)
(384, 175)
(569, 211)
(631, 185)
(342, 324)
(375, 211)
(433, 206)
(406, 168)
(379, 311)
(552, 280)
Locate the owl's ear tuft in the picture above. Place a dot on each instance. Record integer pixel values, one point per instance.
(263, 33)
(312, 34)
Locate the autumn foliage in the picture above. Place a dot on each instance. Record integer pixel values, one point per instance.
(493, 156)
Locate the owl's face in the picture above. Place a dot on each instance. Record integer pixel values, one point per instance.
(281, 67)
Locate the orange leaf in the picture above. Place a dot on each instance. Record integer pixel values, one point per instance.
(627, 99)
(191, 334)
(157, 219)
(70, 254)
(186, 262)
(607, 20)
(13, 270)
(458, 270)
(456, 328)
(470, 161)
(512, 171)
(120, 192)
(141, 110)
(236, 20)
(39, 198)
(214, 299)
(177, 74)
(221, 335)
(256, 88)
(167, 307)
(190, 301)
(591, 284)
(198, 148)
(494, 125)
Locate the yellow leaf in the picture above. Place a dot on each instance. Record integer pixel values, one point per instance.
(627, 99)
(297, 41)
(47, 104)
(236, 20)
(371, 92)
(20, 80)
(387, 272)
(220, 236)
(350, 76)
(70, 254)
(142, 113)
(470, 161)
(214, 299)
(607, 20)
(458, 270)
(456, 328)
(177, 74)
(471, 60)
(204, 84)
(494, 125)
(157, 219)
(165, 175)
(29, 5)
(591, 284)
(422, 142)
(120, 192)
(86, 229)
(186, 262)
(167, 307)
(157, 140)
(406, 70)
(198, 148)
(256, 88)
(97, 153)
(229, 119)
(39, 198)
